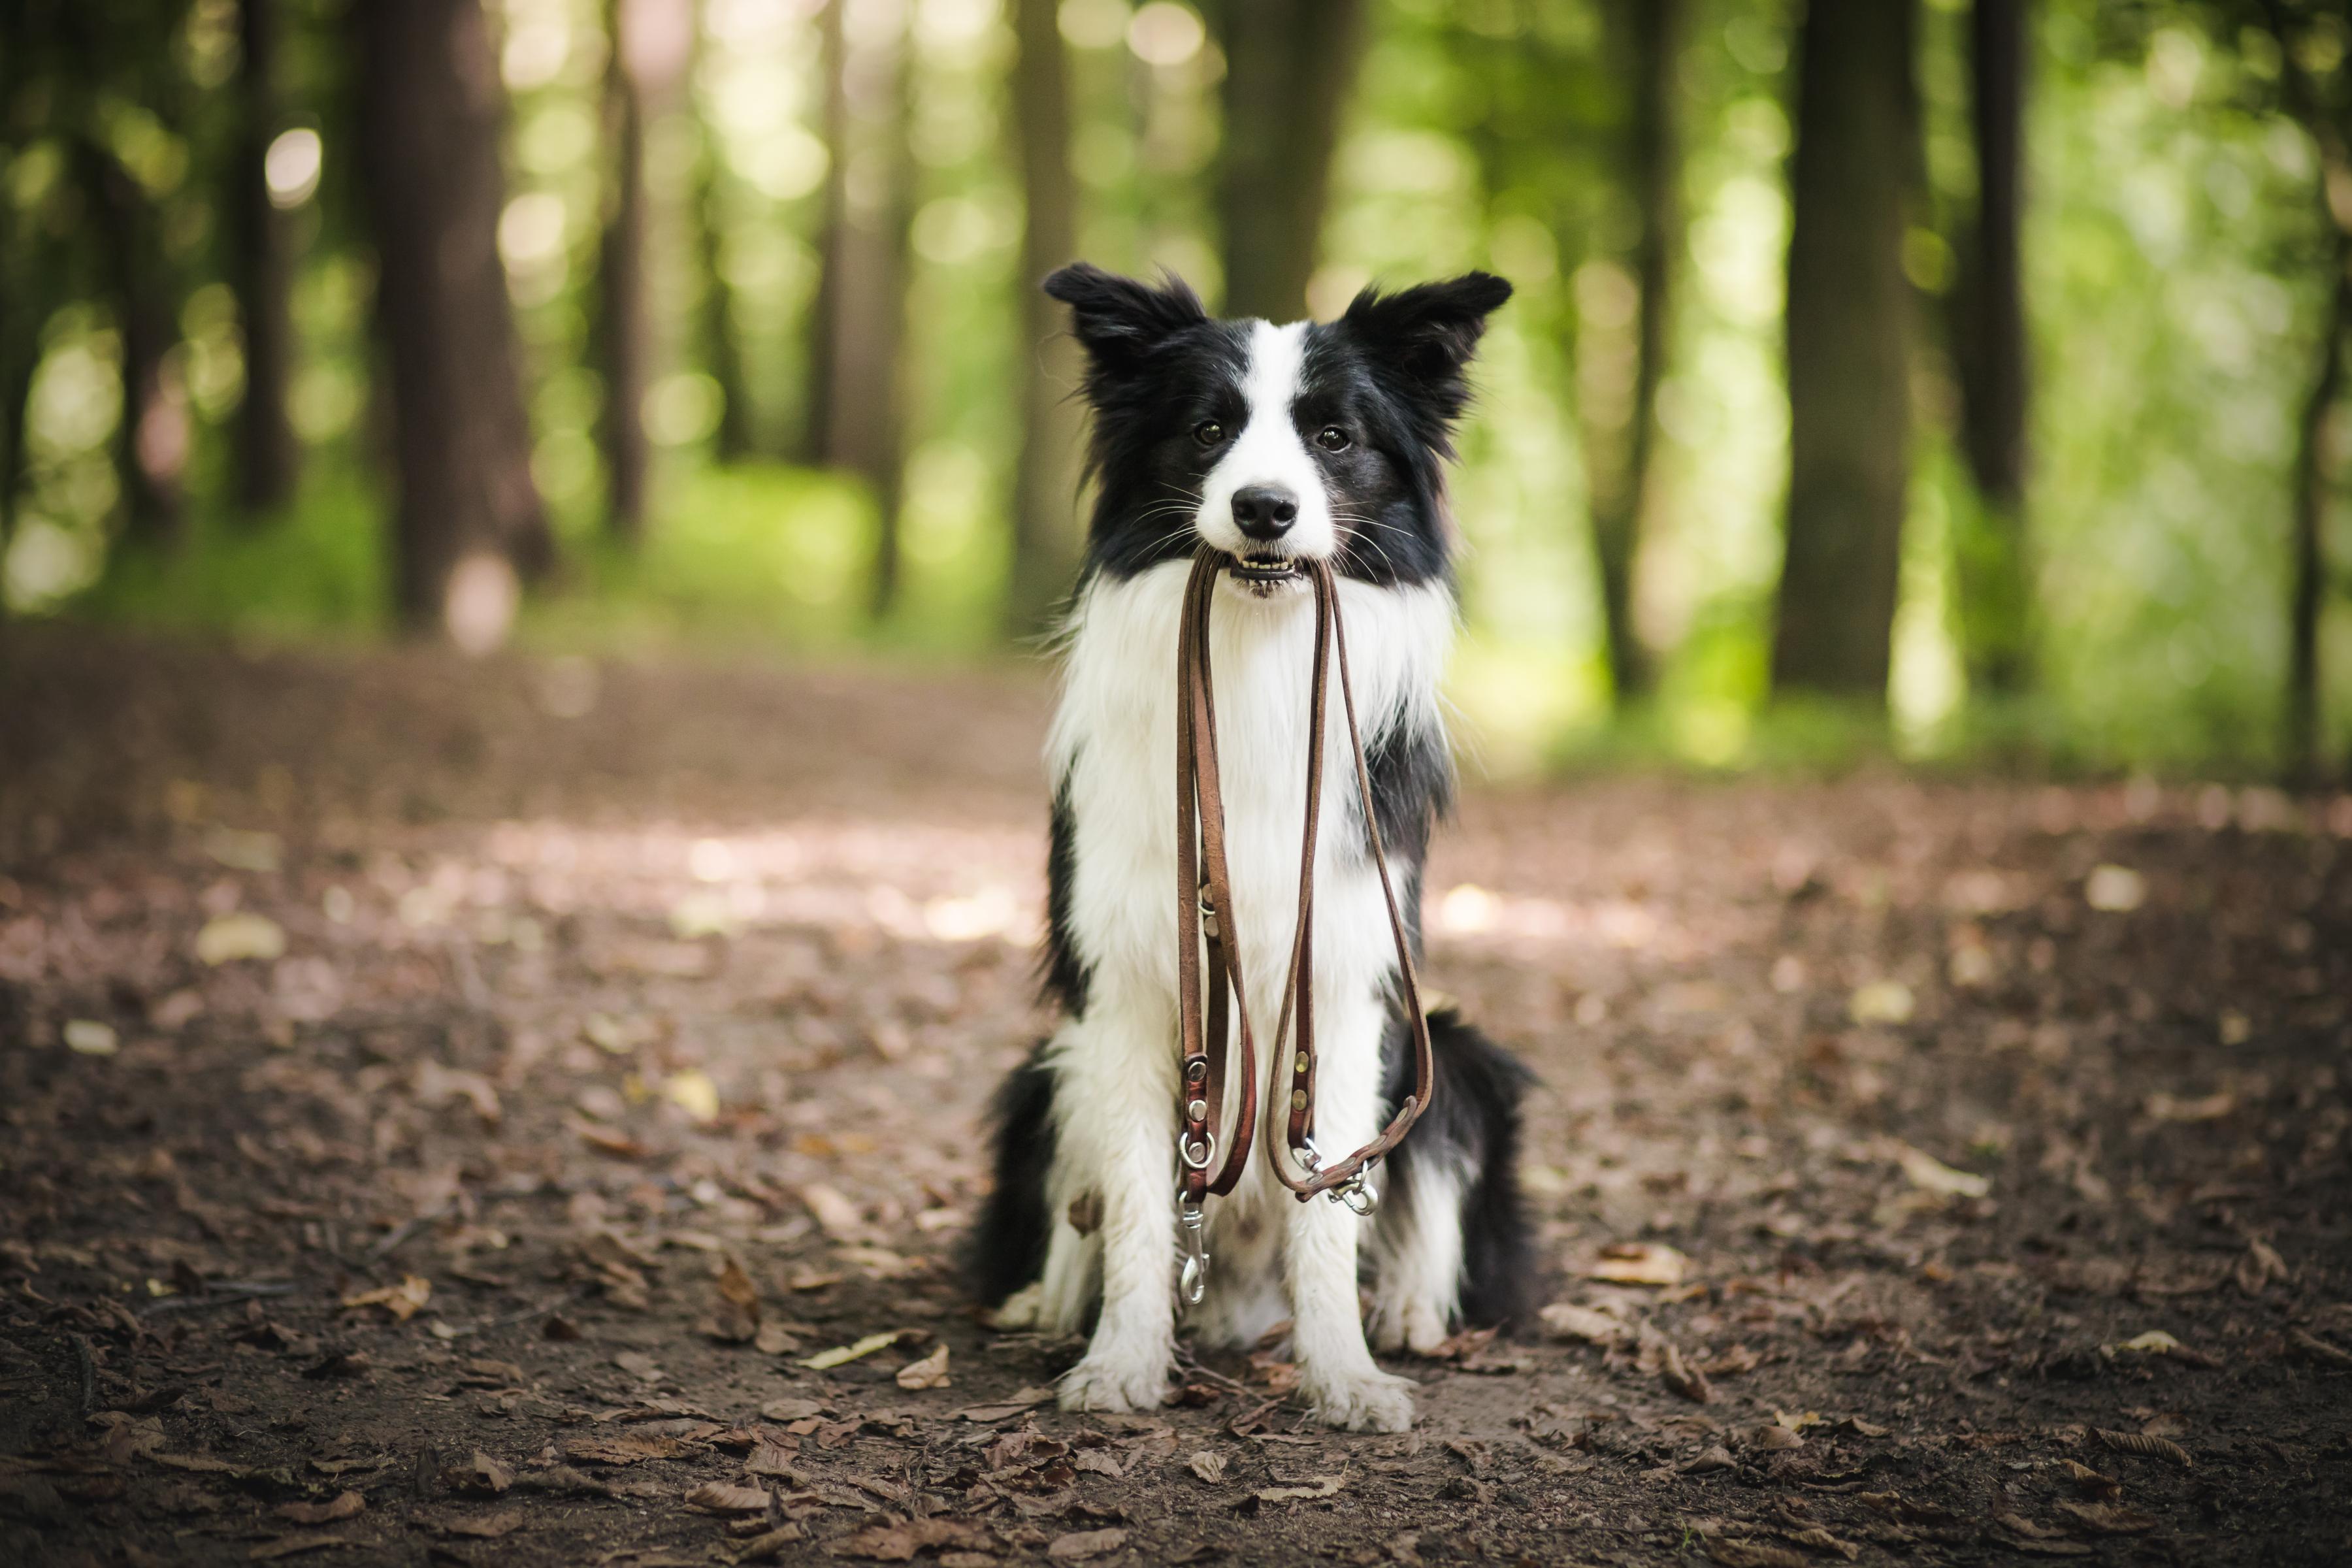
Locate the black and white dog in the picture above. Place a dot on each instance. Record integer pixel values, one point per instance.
(1310, 441)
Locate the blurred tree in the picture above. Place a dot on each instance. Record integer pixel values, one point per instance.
(1289, 67)
(721, 347)
(152, 438)
(651, 44)
(260, 269)
(429, 107)
(858, 325)
(1849, 341)
(1046, 483)
(1989, 354)
(1646, 39)
(2320, 99)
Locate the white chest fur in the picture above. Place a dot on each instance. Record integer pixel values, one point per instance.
(1113, 744)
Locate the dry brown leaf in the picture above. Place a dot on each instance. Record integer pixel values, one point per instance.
(2304, 1339)
(727, 1497)
(1639, 1263)
(2019, 1533)
(622, 1447)
(1659, 1357)
(2140, 1443)
(2258, 1266)
(931, 1372)
(900, 1543)
(834, 1214)
(1567, 1321)
(1315, 1487)
(768, 1544)
(1814, 1538)
(774, 1339)
(294, 1545)
(487, 1526)
(403, 1301)
(479, 1474)
(1207, 1465)
(1752, 1553)
(1025, 1399)
(344, 1505)
(2091, 1481)
(1080, 1544)
(204, 1463)
(2108, 1519)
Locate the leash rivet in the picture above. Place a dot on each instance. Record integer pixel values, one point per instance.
(1297, 1099)
(1300, 1064)
(1196, 1110)
(1199, 1153)
(1197, 1070)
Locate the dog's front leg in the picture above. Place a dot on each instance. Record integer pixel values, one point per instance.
(1115, 1101)
(1343, 1385)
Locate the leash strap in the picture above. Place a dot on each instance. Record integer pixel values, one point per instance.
(1208, 957)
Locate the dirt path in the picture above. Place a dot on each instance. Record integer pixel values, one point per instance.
(444, 1108)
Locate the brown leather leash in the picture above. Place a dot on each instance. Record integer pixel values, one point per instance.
(1205, 914)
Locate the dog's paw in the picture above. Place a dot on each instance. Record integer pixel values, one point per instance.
(1021, 1310)
(1368, 1401)
(1413, 1326)
(1114, 1384)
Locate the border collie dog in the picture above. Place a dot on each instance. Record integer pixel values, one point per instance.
(1271, 444)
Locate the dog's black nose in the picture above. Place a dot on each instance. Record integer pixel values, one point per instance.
(1265, 511)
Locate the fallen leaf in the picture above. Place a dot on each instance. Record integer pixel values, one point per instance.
(2304, 1339)
(481, 1474)
(2258, 1267)
(1081, 1544)
(765, 1546)
(774, 1339)
(403, 1301)
(2155, 1341)
(88, 1037)
(834, 1214)
(2140, 1443)
(931, 1372)
(226, 937)
(841, 1356)
(622, 1447)
(1639, 1263)
(1659, 1357)
(343, 1506)
(727, 1496)
(1931, 1175)
(1771, 1438)
(1815, 1539)
(1315, 1487)
(2091, 1481)
(2108, 1519)
(2022, 1534)
(1567, 1321)
(1207, 1465)
(292, 1546)
(900, 1543)
(692, 1091)
(204, 1463)
(1752, 1553)
(1026, 1399)
(791, 1409)
(487, 1526)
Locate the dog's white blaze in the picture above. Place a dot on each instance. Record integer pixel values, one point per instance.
(1268, 450)
(1113, 741)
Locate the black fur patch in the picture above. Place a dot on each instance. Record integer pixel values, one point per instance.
(1473, 1121)
(1007, 1250)
(1064, 977)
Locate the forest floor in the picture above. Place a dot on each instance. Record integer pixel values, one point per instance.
(444, 1108)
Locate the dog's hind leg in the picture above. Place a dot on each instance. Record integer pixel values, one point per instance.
(1417, 1248)
(1115, 1114)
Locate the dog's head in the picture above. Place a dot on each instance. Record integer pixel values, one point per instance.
(1317, 441)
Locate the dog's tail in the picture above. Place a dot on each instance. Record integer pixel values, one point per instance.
(1473, 1124)
(1007, 1249)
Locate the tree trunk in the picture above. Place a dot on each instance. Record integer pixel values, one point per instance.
(621, 288)
(1849, 349)
(1621, 489)
(151, 449)
(2309, 577)
(429, 107)
(855, 394)
(268, 454)
(816, 391)
(1045, 484)
(1289, 67)
(722, 350)
(1990, 352)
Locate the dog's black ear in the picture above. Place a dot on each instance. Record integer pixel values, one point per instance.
(1430, 331)
(1119, 320)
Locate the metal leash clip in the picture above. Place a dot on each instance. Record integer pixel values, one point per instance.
(1192, 1277)
(1355, 1192)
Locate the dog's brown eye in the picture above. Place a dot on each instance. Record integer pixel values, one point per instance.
(1208, 432)
(1332, 438)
